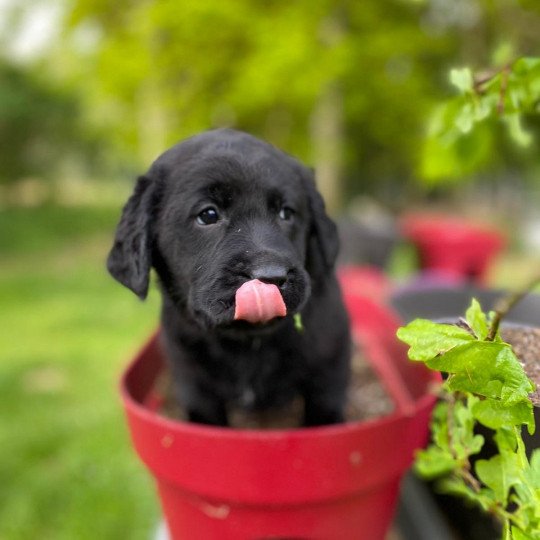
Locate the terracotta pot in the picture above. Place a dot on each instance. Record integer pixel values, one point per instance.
(334, 482)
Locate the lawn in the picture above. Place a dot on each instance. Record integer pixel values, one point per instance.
(67, 470)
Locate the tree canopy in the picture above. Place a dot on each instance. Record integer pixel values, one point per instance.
(37, 123)
(347, 86)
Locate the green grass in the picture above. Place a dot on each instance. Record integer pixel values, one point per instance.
(67, 469)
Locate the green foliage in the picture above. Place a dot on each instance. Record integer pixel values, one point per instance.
(263, 67)
(487, 386)
(151, 73)
(37, 124)
(461, 137)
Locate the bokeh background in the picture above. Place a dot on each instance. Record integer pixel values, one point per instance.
(92, 91)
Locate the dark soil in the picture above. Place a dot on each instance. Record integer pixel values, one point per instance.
(526, 344)
(367, 399)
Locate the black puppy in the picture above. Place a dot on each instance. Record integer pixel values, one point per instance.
(218, 211)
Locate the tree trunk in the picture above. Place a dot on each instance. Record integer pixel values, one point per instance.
(152, 128)
(327, 137)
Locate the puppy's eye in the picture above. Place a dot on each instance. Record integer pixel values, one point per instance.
(208, 216)
(286, 213)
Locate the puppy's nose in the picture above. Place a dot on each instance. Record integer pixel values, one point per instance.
(271, 273)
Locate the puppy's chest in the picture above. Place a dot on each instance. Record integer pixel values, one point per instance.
(260, 376)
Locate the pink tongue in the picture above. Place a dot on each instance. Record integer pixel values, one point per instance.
(258, 302)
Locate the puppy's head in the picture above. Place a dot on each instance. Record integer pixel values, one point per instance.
(217, 210)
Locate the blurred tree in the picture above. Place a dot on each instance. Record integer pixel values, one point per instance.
(484, 123)
(37, 124)
(464, 133)
(345, 85)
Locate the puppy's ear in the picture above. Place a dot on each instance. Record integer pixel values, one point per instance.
(129, 260)
(323, 243)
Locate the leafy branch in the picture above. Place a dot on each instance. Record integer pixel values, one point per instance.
(485, 385)
(460, 137)
(506, 303)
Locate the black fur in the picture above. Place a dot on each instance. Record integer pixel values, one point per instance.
(272, 225)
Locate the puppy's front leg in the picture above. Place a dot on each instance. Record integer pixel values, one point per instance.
(324, 398)
(194, 393)
(207, 410)
(321, 410)
(202, 405)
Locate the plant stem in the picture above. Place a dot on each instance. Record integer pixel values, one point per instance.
(469, 479)
(487, 76)
(505, 73)
(506, 303)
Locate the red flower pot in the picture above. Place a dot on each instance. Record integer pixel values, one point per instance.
(334, 482)
(366, 281)
(453, 247)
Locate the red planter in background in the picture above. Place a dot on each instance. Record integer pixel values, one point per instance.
(334, 482)
(453, 247)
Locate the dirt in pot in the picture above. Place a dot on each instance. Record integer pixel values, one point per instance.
(367, 399)
(526, 344)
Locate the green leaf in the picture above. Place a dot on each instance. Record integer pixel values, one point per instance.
(526, 64)
(439, 425)
(298, 324)
(465, 119)
(518, 134)
(428, 339)
(438, 161)
(504, 53)
(462, 79)
(477, 320)
(517, 386)
(499, 473)
(464, 441)
(488, 369)
(483, 108)
(472, 358)
(434, 462)
(451, 154)
(456, 486)
(518, 534)
(496, 414)
(506, 439)
(534, 471)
